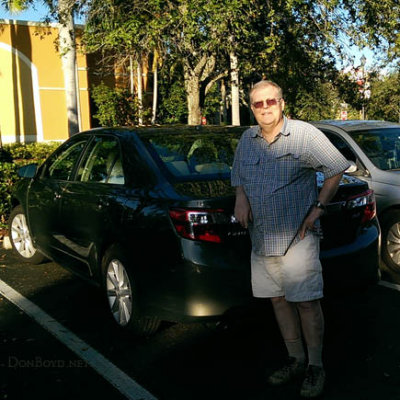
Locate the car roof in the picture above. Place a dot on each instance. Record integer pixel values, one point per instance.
(168, 129)
(357, 125)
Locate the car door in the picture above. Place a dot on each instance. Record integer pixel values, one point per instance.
(93, 204)
(45, 192)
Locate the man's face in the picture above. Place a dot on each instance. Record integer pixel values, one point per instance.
(267, 116)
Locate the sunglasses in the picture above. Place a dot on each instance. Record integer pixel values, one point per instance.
(270, 103)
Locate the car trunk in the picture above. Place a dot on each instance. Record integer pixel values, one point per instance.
(212, 203)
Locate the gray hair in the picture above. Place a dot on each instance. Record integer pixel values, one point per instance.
(262, 84)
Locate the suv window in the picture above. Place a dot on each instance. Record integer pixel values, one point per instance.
(102, 163)
(341, 145)
(61, 164)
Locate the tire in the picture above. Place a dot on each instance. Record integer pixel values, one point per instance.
(121, 294)
(391, 239)
(20, 238)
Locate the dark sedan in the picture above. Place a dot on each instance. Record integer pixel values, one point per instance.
(147, 214)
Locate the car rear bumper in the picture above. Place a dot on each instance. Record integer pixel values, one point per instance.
(354, 265)
(212, 280)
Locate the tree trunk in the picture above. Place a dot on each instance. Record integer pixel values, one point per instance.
(140, 91)
(68, 57)
(155, 96)
(192, 86)
(224, 116)
(235, 88)
(155, 88)
(131, 76)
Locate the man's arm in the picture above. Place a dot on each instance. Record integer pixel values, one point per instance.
(242, 207)
(328, 190)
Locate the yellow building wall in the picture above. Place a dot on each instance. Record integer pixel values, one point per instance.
(16, 111)
(32, 90)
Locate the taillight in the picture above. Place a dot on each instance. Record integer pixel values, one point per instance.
(366, 200)
(205, 225)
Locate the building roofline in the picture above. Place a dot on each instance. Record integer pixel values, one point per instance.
(34, 23)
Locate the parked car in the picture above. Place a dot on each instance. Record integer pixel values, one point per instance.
(147, 214)
(374, 149)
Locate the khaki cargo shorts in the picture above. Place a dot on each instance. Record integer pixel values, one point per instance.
(297, 275)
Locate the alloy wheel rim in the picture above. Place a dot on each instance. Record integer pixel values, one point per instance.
(119, 292)
(21, 237)
(393, 243)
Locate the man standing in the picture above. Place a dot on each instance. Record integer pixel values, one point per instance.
(277, 199)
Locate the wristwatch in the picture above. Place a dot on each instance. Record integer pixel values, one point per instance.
(319, 205)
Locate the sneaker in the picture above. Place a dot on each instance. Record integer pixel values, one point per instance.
(313, 384)
(291, 369)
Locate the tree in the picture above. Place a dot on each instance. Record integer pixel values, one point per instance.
(385, 99)
(292, 42)
(64, 10)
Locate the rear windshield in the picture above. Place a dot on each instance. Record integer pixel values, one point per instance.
(192, 156)
(381, 145)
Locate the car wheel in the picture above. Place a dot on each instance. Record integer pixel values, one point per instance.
(20, 238)
(119, 284)
(391, 239)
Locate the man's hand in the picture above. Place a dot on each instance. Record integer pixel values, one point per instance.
(242, 208)
(328, 190)
(309, 222)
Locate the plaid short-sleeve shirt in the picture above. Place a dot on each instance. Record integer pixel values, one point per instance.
(279, 179)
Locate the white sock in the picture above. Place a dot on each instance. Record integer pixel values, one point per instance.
(315, 356)
(295, 349)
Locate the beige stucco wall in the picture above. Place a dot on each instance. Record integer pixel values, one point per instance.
(32, 94)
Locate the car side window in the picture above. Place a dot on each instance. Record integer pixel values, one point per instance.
(102, 163)
(61, 164)
(341, 145)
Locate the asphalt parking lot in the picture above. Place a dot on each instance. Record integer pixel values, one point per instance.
(185, 361)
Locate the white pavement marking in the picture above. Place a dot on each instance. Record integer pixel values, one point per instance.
(389, 285)
(119, 379)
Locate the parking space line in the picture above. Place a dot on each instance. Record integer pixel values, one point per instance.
(119, 379)
(389, 285)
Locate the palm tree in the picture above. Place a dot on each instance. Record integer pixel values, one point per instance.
(65, 14)
(63, 10)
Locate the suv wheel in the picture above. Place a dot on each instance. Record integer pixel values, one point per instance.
(20, 238)
(391, 239)
(119, 285)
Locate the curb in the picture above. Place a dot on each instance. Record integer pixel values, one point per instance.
(6, 243)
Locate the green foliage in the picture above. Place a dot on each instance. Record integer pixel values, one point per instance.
(12, 157)
(322, 103)
(212, 104)
(385, 98)
(115, 107)
(8, 177)
(32, 152)
(173, 107)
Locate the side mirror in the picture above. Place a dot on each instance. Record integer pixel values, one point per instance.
(27, 171)
(352, 168)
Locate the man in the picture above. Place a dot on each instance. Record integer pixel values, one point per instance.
(277, 199)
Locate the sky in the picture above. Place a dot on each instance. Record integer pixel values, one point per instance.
(38, 12)
(35, 12)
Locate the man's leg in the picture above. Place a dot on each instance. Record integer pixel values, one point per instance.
(288, 321)
(289, 325)
(312, 322)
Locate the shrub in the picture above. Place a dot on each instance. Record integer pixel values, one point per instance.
(12, 157)
(115, 107)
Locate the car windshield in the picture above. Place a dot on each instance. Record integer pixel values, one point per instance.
(192, 156)
(381, 145)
